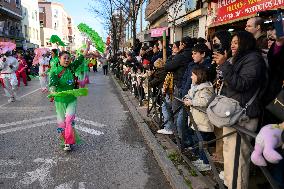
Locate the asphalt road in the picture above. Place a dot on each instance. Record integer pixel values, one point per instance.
(112, 155)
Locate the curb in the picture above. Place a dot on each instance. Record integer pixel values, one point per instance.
(168, 168)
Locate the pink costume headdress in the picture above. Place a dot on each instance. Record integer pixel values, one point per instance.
(39, 52)
(6, 47)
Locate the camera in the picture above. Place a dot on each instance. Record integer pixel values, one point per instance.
(217, 47)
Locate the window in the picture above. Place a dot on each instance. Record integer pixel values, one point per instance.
(7, 1)
(41, 9)
(36, 15)
(18, 3)
(37, 37)
(55, 26)
(26, 31)
(41, 23)
(55, 13)
(34, 34)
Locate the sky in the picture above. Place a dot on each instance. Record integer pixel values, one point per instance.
(78, 10)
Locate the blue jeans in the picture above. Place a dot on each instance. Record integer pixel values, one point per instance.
(167, 113)
(206, 136)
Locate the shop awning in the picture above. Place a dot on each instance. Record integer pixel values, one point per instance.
(228, 11)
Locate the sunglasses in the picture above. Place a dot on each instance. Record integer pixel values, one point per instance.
(271, 39)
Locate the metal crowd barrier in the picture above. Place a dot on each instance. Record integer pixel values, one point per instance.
(155, 110)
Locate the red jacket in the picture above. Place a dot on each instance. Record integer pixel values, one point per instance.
(22, 65)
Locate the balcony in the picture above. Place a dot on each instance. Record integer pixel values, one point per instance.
(12, 33)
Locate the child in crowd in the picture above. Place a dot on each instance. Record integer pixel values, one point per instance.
(198, 96)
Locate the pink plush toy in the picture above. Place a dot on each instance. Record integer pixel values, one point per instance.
(267, 140)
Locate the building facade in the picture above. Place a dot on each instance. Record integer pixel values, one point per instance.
(54, 20)
(30, 24)
(10, 21)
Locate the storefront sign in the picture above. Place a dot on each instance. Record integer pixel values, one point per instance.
(229, 10)
(158, 32)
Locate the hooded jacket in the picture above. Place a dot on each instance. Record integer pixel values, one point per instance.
(200, 96)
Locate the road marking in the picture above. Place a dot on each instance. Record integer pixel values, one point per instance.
(11, 175)
(21, 97)
(89, 122)
(67, 185)
(23, 109)
(50, 122)
(88, 130)
(9, 162)
(82, 185)
(27, 127)
(25, 121)
(41, 174)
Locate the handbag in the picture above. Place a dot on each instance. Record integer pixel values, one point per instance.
(276, 107)
(225, 112)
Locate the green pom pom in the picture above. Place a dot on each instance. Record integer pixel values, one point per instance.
(56, 39)
(74, 92)
(93, 35)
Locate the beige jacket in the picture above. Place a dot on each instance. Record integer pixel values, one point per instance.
(200, 95)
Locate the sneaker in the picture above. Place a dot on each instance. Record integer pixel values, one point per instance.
(165, 132)
(221, 175)
(12, 99)
(67, 147)
(203, 167)
(197, 162)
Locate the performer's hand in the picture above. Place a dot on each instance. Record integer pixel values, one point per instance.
(187, 102)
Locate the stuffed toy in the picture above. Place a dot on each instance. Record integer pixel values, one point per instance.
(267, 140)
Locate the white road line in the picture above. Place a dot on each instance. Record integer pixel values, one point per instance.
(21, 97)
(27, 127)
(88, 130)
(89, 122)
(9, 162)
(11, 175)
(25, 121)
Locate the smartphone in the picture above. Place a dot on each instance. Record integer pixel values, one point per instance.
(278, 24)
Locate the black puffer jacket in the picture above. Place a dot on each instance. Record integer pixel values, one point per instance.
(242, 79)
(178, 65)
(157, 78)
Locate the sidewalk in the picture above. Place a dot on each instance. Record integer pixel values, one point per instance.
(164, 150)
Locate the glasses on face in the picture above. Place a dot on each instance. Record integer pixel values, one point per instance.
(271, 39)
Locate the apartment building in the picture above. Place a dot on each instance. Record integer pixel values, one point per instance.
(10, 21)
(30, 24)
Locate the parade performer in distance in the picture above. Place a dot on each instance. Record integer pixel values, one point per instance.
(42, 58)
(21, 72)
(63, 88)
(8, 67)
(54, 58)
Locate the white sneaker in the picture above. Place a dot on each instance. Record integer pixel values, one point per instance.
(197, 162)
(12, 99)
(165, 132)
(221, 175)
(203, 167)
(67, 147)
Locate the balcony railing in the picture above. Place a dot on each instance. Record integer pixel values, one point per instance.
(12, 33)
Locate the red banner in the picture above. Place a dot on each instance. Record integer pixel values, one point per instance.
(229, 10)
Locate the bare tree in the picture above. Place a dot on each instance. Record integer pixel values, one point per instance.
(115, 15)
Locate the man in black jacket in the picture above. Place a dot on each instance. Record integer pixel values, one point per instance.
(178, 65)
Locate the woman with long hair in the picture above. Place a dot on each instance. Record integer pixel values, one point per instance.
(242, 78)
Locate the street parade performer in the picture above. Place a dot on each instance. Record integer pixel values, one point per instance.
(42, 58)
(8, 67)
(54, 58)
(64, 89)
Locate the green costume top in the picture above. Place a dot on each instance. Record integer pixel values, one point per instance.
(66, 81)
(54, 61)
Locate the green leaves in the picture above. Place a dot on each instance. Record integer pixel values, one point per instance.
(93, 36)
